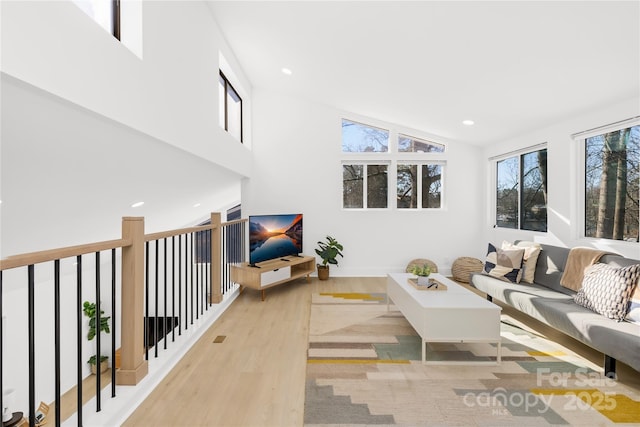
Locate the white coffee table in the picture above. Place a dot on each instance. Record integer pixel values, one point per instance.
(454, 315)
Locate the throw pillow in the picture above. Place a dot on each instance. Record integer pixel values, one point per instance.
(633, 314)
(606, 289)
(531, 253)
(504, 264)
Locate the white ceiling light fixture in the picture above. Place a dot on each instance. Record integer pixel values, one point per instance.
(196, 205)
(137, 204)
(286, 71)
(468, 122)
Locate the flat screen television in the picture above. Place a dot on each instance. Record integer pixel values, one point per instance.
(274, 236)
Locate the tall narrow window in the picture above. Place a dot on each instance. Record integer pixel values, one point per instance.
(105, 12)
(521, 192)
(230, 108)
(612, 194)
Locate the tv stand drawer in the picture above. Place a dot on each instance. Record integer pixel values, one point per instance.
(272, 276)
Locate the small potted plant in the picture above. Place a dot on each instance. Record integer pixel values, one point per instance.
(89, 310)
(328, 250)
(423, 272)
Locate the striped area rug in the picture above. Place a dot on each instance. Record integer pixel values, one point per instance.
(364, 368)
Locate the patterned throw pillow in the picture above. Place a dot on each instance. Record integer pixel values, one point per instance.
(606, 289)
(531, 253)
(504, 264)
(633, 315)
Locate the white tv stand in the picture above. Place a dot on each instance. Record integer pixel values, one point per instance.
(273, 272)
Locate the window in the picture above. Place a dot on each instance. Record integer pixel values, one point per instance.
(419, 186)
(358, 192)
(408, 144)
(105, 13)
(521, 191)
(230, 108)
(360, 138)
(377, 159)
(612, 169)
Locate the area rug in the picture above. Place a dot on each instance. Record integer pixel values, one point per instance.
(364, 368)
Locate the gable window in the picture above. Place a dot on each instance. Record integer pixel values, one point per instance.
(230, 108)
(380, 164)
(409, 144)
(419, 186)
(361, 138)
(105, 13)
(612, 194)
(521, 191)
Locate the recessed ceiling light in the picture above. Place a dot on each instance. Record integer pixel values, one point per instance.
(137, 204)
(286, 71)
(468, 122)
(196, 205)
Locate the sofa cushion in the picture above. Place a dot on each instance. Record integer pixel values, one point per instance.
(504, 264)
(531, 253)
(633, 314)
(607, 289)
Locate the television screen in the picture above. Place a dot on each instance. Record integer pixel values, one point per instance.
(274, 236)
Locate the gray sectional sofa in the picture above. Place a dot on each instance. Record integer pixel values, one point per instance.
(551, 303)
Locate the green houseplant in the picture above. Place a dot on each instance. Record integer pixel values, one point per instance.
(89, 310)
(328, 250)
(423, 272)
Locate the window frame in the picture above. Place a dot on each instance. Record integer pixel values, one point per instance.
(518, 154)
(393, 158)
(420, 190)
(579, 202)
(227, 85)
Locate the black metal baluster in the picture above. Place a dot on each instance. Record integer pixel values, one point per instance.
(146, 303)
(198, 269)
(56, 338)
(79, 337)
(164, 323)
(98, 340)
(32, 344)
(173, 288)
(155, 326)
(179, 285)
(113, 322)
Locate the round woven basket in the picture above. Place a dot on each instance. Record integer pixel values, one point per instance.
(463, 267)
(420, 262)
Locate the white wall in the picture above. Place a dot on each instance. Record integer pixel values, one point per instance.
(88, 128)
(297, 168)
(564, 166)
(170, 93)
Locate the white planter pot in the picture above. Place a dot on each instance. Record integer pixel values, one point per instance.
(423, 280)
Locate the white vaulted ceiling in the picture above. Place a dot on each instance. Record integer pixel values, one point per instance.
(510, 66)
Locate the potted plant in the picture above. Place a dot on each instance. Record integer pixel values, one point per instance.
(422, 272)
(328, 250)
(89, 309)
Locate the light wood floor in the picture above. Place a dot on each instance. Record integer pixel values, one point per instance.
(256, 376)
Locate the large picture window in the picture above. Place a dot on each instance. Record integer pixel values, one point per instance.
(612, 164)
(521, 191)
(230, 107)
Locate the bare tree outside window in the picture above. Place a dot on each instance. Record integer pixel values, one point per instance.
(377, 186)
(612, 181)
(432, 186)
(352, 186)
(360, 138)
(521, 192)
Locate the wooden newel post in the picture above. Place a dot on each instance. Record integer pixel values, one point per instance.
(216, 258)
(133, 366)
